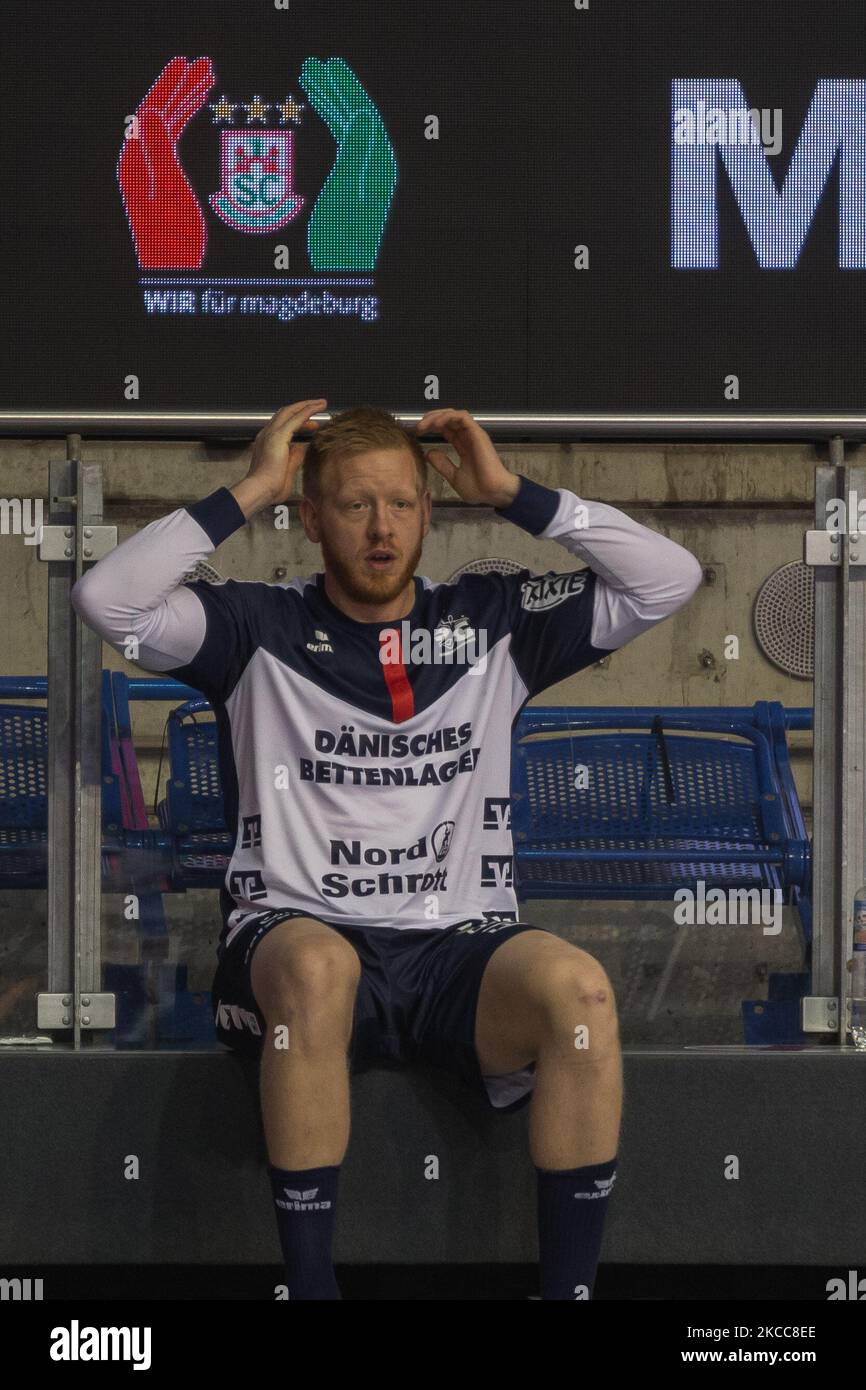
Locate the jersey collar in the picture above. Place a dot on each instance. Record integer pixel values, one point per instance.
(336, 615)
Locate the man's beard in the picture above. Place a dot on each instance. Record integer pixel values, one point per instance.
(367, 586)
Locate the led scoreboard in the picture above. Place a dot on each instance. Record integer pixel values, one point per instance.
(543, 205)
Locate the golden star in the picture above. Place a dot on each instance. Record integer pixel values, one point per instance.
(289, 110)
(223, 110)
(257, 109)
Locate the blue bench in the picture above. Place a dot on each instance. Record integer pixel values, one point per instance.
(193, 812)
(24, 735)
(636, 803)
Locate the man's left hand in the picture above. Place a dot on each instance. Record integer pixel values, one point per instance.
(481, 476)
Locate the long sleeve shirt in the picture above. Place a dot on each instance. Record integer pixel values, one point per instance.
(365, 766)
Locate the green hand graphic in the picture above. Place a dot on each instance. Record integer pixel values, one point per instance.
(349, 217)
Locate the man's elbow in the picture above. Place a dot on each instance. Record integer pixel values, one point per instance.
(82, 598)
(683, 576)
(690, 577)
(90, 600)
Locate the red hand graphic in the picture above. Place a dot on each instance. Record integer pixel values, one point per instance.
(164, 216)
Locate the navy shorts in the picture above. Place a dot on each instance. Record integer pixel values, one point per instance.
(416, 999)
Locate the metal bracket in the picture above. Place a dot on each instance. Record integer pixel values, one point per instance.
(819, 1014)
(825, 548)
(94, 1011)
(58, 542)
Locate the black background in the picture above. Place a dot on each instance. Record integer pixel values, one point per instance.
(555, 130)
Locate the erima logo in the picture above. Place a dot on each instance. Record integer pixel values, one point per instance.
(549, 590)
(603, 1184)
(302, 1201)
(233, 1016)
(322, 645)
(493, 921)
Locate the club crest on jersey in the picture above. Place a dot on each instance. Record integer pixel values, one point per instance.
(451, 633)
(549, 590)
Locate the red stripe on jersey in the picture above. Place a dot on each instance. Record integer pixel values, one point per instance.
(402, 698)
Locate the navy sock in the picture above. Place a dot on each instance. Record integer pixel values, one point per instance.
(572, 1203)
(305, 1201)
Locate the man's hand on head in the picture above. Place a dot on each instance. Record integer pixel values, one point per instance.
(275, 460)
(480, 476)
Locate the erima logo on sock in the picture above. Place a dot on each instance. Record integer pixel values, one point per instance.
(604, 1184)
(302, 1201)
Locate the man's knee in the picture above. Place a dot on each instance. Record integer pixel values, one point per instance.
(302, 964)
(577, 991)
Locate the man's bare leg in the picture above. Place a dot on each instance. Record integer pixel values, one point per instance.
(547, 1001)
(304, 978)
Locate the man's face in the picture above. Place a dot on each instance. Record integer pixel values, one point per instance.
(369, 504)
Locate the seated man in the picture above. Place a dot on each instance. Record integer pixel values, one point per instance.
(364, 717)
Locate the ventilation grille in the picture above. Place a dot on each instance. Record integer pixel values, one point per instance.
(784, 618)
(492, 565)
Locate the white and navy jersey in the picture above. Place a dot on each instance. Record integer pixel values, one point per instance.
(368, 790)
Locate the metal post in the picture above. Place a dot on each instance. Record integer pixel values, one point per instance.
(61, 806)
(852, 770)
(88, 770)
(839, 742)
(73, 537)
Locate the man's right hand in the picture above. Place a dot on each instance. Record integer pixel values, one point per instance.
(275, 460)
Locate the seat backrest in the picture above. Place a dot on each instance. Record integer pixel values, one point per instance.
(23, 767)
(599, 784)
(195, 796)
(24, 736)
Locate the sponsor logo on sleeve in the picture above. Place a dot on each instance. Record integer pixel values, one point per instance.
(549, 590)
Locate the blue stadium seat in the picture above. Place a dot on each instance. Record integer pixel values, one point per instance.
(24, 735)
(193, 810)
(671, 797)
(633, 803)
